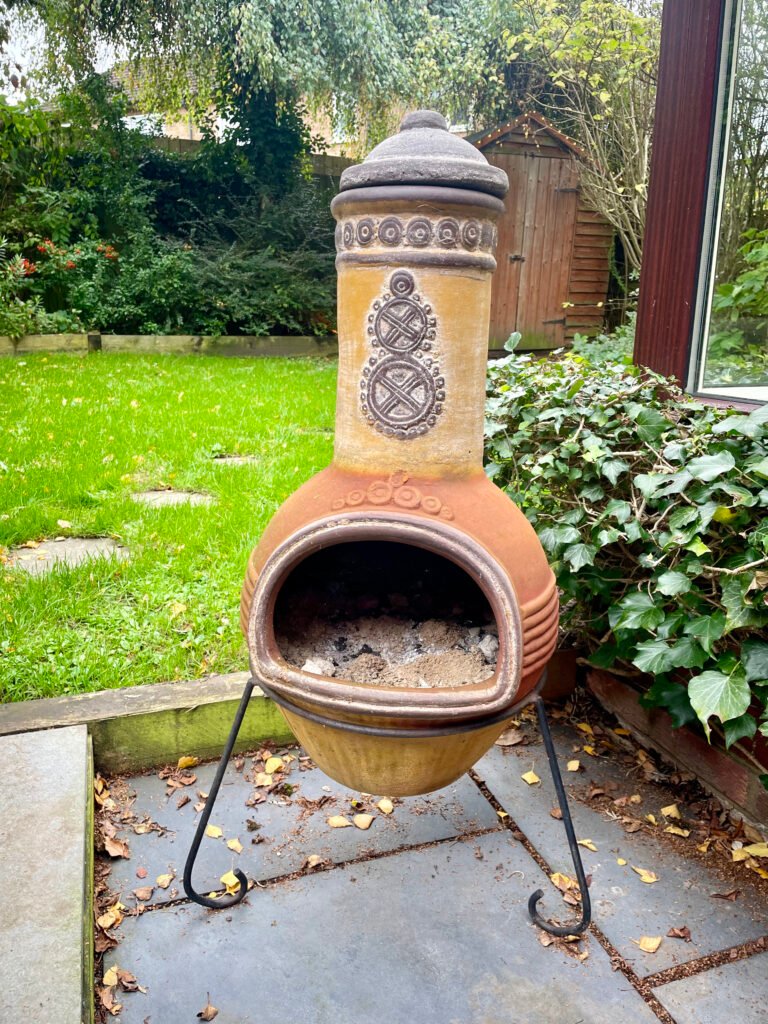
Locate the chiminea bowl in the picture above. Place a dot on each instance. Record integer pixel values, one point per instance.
(405, 504)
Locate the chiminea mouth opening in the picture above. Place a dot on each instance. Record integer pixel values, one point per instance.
(386, 613)
(400, 608)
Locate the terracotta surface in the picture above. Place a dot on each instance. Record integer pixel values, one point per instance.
(415, 264)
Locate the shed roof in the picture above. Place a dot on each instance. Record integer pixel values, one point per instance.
(531, 123)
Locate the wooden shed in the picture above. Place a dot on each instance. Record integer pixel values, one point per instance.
(553, 251)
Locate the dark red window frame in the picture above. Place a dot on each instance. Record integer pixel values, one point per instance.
(684, 133)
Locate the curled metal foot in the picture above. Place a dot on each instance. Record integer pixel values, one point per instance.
(586, 908)
(219, 903)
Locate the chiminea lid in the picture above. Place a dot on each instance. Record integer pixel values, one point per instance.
(425, 153)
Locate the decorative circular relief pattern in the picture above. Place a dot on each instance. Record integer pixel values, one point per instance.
(402, 391)
(418, 232)
(395, 491)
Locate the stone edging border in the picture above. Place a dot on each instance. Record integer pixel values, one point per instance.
(141, 727)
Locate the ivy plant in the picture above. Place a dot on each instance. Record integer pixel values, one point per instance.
(651, 508)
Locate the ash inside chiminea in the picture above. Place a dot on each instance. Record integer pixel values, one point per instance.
(386, 613)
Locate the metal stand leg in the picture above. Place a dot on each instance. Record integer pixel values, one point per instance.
(224, 901)
(562, 799)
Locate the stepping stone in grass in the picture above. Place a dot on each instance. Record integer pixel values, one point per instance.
(159, 499)
(69, 551)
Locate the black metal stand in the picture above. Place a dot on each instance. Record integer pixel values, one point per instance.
(562, 799)
(221, 902)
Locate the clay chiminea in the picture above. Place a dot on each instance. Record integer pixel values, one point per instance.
(404, 525)
(405, 503)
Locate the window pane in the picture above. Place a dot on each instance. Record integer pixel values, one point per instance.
(736, 346)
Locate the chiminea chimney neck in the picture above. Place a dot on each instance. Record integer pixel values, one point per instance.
(416, 235)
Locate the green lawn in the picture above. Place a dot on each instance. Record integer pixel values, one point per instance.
(78, 435)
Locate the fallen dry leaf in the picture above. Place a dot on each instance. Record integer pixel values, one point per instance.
(620, 861)
(116, 848)
(590, 750)
(648, 943)
(111, 918)
(563, 882)
(683, 933)
(573, 766)
(110, 977)
(670, 811)
(235, 844)
(556, 813)
(107, 1000)
(176, 608)
(739, 855)
(651, 818)
(339, 821)
(385, 805)
(673, 830)
(631, 825)
(546, 939)
(510, 738)
(213, 831)
(144, 893)
(635, 799)
(64, 524)
(188, 762)
(585, 727)
(733, 895)
(587, 844)
(531, 778)
(262, 779)
(208, 1012)
(183, 800)
(273, 764)
(231, 882)
(314, 860)
(363, 821)
(622, 732)
(757, 849)
(141, 872)
(163, 881)
(645, 876)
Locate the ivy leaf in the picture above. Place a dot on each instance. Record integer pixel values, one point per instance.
(650, 423)
(618, 510)
(654, 656)
(710, 467)
(743, 727)
(672, 583)
(707, 629)
(725, 696)
(613, 468)
(552, 536)
(673, 698)
(636, 611)
(754, 658)
(579, 555)
(689, 653)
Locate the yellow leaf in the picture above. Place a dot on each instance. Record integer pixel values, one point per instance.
(262, 779)
(164, 880)
(231, 882)
(620, 861)
(704, 847)
(339, 821)
(651, 818)
(208, 1012)
(584, 727)
(531, 778)
(64, 524)
(757, 849)
(235, 844)
(737, 855)
(188, 762)
(673, 830)
(213, 831)
(111, 918)
(273, 764)
(648, 943)
(385, 805)
(314, 860)
(573, 766)
(502, 814)
(563, 882)
(110, 976)
(670, 811)
(645, 875)
(176, 608)
(587, 844)
(363, 821)
(590, 750)
(635, 799)
(622, 732)
(722, 514)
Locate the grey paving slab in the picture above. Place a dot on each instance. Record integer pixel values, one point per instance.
(69, 551)
(162, 499)
(736, 991)
(625, 908)
(434, 936)
(289, 832)
(45, 786)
